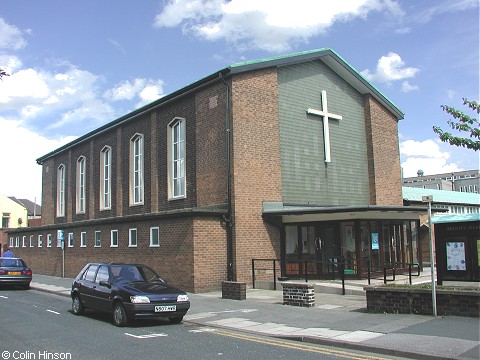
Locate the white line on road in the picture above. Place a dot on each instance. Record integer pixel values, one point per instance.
(3, 297)
(145, 336)
(53, 312)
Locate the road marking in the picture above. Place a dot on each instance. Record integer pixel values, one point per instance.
(147, 336)
(202, 330)
(3, 297)
(297, 346)
(53, 312)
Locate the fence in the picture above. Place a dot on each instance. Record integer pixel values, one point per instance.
(335, 270)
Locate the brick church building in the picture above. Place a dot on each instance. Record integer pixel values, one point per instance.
(294, 158)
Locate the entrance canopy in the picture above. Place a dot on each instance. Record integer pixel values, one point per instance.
(294, 213)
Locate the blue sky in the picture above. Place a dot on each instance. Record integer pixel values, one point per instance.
(76, 65)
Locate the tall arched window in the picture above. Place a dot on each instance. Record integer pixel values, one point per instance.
(136, 170)
(106, 178)
(61, 190)
(81, 167)
(176, 159)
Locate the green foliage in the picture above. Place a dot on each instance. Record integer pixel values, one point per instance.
(462, 123)
(3, 73)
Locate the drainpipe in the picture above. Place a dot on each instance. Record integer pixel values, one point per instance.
(228, 218)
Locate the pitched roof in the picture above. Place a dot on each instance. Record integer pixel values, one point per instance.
(441, 196)
(328, 56)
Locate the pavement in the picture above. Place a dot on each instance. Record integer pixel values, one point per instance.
(335, 320)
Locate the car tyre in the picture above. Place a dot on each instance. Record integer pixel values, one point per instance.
(176, 320)
(119, 315)
(77, 306)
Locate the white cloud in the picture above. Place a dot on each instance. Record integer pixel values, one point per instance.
(11, 37)
(390, 68)
(270, 25)
(147, 90)
(425, 155)
(407, 87)
(21, 148)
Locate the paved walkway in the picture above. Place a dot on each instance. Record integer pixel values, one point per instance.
(338, 320)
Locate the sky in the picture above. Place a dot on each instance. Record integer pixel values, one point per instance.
(76, 65)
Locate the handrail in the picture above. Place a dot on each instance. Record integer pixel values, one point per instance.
(337, 266)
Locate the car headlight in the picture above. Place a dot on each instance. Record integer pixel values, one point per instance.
(139, 299)
(182, 298)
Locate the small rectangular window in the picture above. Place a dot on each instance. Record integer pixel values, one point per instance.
(17, 241)
(114, 238)
(70, 239)
(24, 241)
(11, 242)
(49, 240)
(31, 241)
(154, 237)
(83, 239)
(98, 240)
(132, 237)
(40, 241)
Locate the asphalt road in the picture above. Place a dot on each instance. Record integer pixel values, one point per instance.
(36, 325)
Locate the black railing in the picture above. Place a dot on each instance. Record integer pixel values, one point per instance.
(337, 268)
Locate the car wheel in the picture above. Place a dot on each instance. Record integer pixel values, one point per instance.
(176, 320)
(119, 315)
(77, 306)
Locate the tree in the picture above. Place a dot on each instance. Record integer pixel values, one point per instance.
(3, 73)
(462, 123)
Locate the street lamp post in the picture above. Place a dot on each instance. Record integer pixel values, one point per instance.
(429, 199)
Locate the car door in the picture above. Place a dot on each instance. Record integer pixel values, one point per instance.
(86, 285)
(101, 294)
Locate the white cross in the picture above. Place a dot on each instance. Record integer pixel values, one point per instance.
(326, 115)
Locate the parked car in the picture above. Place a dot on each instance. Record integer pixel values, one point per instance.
(14, 271)
(128, 291)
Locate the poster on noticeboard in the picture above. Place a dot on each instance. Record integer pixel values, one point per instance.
(456, 256)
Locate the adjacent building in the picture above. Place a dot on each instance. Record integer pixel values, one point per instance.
(255, 161)
(14, 215)
(462, 181)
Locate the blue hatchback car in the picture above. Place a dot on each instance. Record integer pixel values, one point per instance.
(129, 292)
(14, 271)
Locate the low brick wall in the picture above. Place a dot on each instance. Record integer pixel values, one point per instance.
(298, 294)
(400, 300)
(234, 290)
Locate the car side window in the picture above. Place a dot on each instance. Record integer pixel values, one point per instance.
(90, 273)
(102, 274)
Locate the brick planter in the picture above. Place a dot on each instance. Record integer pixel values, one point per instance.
(234, 290)
(298, 294)
(399, 300)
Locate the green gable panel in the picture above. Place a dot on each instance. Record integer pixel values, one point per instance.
(306, 178)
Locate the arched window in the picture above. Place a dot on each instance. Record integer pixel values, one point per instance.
(106, 178)
(136, 170)
(176, 159)
(81, 167)
(61, 190)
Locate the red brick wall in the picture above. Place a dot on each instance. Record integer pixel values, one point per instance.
(256, 167)
(211, 164)
(383, 155)
(48, 176)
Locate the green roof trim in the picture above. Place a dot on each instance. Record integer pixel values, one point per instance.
(446, 219)
(441, 196)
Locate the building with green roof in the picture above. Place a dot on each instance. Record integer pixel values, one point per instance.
(293, 158)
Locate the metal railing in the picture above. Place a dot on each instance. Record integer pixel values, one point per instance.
(336, 268)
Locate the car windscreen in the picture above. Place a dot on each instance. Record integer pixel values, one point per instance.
(132, 273)
(11, 263)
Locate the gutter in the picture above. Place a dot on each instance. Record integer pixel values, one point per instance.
(228, 218)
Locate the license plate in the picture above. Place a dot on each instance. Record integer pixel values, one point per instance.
(14, 273)
(165, 308)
